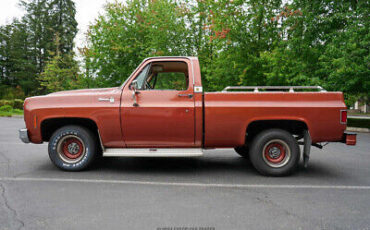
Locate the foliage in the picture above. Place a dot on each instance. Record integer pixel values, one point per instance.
(361, 123)
(242, 42)
(8, 111)
(127, 34)
(239, 42)
(7, 102)
(16, 103)
(6, 108)
(10, 93)
(61, 72)
(26, 45)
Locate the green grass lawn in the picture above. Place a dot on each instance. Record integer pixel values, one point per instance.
(11, 113)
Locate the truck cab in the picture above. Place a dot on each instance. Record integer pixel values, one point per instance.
(159, 103)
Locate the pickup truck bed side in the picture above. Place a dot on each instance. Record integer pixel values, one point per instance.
(227, 115)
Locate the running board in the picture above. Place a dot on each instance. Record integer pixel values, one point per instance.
(153, 152)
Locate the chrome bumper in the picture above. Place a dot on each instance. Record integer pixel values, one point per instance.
(23, 135)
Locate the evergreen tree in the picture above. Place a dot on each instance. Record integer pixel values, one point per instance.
(5, 47)
(62, 22)
(45, 19)
(61, 73)
(26, 45)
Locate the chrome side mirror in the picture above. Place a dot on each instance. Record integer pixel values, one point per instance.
(133, 87)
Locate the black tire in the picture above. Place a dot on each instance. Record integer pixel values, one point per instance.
(243, 151)
(66, 141)
(274, 152)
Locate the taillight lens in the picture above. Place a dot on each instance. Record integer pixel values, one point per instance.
(343, 116)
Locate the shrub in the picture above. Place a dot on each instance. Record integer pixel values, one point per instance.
(7, 102)
(7, 92)
(5, 114)
(18, 111)
(361, 123)
(6, 108)
(18, 104)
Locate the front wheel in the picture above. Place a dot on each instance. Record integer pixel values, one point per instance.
(72, 148)
(275, 152)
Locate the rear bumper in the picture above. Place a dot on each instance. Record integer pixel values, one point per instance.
(349, 138)
(23, 135)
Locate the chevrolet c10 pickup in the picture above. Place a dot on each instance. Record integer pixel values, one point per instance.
(162, 111)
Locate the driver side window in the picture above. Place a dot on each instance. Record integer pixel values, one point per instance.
(169, 81)
(170, 75)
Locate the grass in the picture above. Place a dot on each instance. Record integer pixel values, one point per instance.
(11, 113)
(359, 123)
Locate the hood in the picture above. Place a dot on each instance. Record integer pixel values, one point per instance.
(83, 91)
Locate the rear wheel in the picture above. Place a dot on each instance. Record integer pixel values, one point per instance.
(275, 152)
(243, 151)
(72, 148)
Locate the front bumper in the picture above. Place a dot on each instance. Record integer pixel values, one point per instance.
(23, 135)
(349, 138)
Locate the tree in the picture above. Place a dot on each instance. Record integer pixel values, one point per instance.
(44, 20)
(345, 60)
(127, 33)
(61, 72)
(5, 63)
(15, 61)
(26, 45)
(239, 42)
(62, 22)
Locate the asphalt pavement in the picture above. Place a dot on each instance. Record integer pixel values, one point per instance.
(217, 191)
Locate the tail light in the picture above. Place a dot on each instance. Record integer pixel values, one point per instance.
(343, 116)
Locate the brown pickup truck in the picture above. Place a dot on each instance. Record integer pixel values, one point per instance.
(162, 111)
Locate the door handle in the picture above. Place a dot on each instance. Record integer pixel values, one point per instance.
(111, 99)
(186, 95)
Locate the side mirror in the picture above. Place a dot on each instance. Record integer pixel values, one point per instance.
(134, 85)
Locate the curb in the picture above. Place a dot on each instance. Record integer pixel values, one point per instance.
(355, 129)
(359, 117)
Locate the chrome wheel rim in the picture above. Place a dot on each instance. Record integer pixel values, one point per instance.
(71, 149)
(276, 153)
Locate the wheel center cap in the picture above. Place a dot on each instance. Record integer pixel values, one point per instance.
(274, 152)
(73, 148)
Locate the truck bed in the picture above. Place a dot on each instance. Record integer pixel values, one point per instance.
(228, 114)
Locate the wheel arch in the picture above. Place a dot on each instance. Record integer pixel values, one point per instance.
(293, 126)
(50, 125)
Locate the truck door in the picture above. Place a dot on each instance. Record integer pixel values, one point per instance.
(161, 112)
